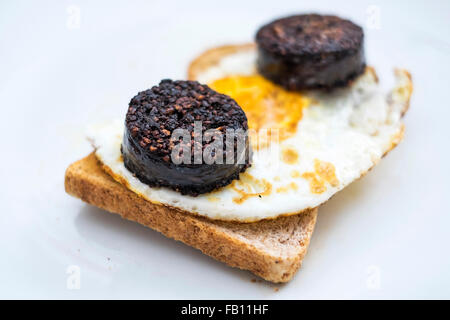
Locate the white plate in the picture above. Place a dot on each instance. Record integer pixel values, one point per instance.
(386, 236)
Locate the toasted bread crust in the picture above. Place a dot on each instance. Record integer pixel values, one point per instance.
(213, 56)
(239, 245)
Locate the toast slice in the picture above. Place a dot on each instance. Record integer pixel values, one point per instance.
(271, 249)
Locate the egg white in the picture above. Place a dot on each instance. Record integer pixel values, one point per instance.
(350, 128)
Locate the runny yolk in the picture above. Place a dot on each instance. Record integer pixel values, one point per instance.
(272, 112)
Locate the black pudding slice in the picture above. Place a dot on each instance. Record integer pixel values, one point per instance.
(310, 51)
(185, 136)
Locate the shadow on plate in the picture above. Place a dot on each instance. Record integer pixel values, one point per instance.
(340, 206)
(115, 233)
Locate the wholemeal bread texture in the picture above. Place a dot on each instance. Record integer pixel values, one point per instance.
(271, 249)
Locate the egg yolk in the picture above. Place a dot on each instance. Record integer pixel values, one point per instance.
(272, 112)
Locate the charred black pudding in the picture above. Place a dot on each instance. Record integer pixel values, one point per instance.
(178, 135)
(310, 51)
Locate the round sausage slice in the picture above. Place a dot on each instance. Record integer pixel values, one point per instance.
(180, 134)
(310, 51)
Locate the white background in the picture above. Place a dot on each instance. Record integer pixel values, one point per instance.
(385, 236)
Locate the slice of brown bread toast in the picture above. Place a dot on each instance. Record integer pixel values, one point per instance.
(271, 249)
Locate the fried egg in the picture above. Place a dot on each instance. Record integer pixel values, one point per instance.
(307, 145)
